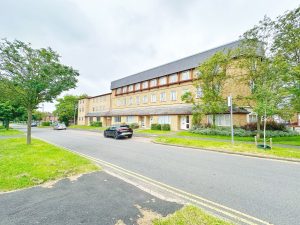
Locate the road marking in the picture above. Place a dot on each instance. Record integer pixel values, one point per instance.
(224, 210)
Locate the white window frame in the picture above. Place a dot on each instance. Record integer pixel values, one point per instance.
(145, 84)
(164, 119)
(117, 119)
(124, 89)
(137, 86)
(130, 119)
(153, 83)
(137, 100)
(222, 120)
(186, 75)
(199, 93)
(130, 102)
(130, 87)
(173, 95)
(153, 98)
(173, 78)
(145, 99)
(163, 97)
(162, 80)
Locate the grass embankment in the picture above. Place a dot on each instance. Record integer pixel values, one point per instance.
(237, 147)
(190, 215)
(158, 132)
(24, 165)
(294, 140)
(84, 127)
(10, 132)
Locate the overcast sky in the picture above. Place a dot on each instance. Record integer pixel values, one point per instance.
(109, 39)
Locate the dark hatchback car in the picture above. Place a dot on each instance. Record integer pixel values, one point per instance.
(118, 131)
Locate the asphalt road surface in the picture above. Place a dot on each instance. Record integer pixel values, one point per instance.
(266, 189)
(93, 199)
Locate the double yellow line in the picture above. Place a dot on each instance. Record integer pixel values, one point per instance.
(223, 211)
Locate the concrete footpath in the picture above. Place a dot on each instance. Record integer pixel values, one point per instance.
(95, 198)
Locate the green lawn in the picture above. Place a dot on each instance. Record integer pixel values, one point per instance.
(84, 127)
(295, 140)
(237, 147)
(24, 165)
(147, 131)
(10, 132)
(190, 215)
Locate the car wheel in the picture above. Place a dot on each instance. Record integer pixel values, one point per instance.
(105, 135)
(130, 136)
(116, 136)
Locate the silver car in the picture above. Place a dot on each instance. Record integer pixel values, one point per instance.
(59, 126)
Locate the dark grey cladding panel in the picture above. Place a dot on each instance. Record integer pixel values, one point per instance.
(172, 67)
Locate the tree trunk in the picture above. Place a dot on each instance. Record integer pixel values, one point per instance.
(29, 120)
(214, 120)
(258, 127)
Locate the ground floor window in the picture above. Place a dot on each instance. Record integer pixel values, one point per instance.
(130, 119)
(252, 118)
(117, 119)
(221, 119)
(164, 119)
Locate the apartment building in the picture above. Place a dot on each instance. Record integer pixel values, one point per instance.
(154, 96)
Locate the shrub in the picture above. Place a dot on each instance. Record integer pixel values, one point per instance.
(165, 127)
(2, 127)
(134, 125)
(271, 125)
(96, 124)
(46, 123)
(155, 126)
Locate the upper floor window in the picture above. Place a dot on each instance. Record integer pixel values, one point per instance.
(162, 80)
(173, 78)
(173, 96)
(163, 97)
(119, 90)
(137, 86)
(130, 88)
(145, 84)
(130, 101)
(137, 99)
(153, 83)
(145, 99)
(185, 75)
(199, 92)
(124, 89)
(153, 98)
(118, 102)
(124, 101)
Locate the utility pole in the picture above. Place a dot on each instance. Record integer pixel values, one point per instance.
(75, 107)
(229, 101)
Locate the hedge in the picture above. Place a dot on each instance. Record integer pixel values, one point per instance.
(46, 123)
(96, 124)
(165, 127)
(155, 126)
(134, 125)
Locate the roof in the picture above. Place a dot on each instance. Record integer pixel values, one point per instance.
(186, 63)
(96, 96)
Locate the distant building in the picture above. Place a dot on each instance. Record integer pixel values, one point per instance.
(49, 117)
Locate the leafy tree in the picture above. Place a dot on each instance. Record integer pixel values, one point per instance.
(38, 115)
(36, 74)
(8, 112)
(66, 109)
(211, 80)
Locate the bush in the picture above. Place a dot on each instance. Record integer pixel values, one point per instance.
(2, 127)
(96, 124)
(134, 126)
(271, 125)
(46, 123)
(165, 127)
(155, 126)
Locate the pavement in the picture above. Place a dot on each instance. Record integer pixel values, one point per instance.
(95, 198)
(262, 188)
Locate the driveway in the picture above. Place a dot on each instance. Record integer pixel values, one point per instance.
(265, 189)
(93, 199)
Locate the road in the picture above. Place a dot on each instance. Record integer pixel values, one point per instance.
(266, 189)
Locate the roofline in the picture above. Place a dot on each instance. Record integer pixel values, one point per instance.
(89, 97)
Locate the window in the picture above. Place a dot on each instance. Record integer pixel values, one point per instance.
(163, 96)
(162, 80)
(130, 119)
(173, 96)
(164, 120)
(252, 118)
(130, 88)
(145, 84)
(153, 98)
(118, 102)
(199, 93)
(124, 101)
(173, 78)
(137, 86)
(185, 75)
(117, 119)
(137, 99)
(145, 99)
(221, 119)
(119, 90)
(124, 89)
(130, 101)
(153, 83)
(93, 109)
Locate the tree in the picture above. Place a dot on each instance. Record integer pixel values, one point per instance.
(66, 109)
(9, 111)
(211, 80)
(36, 74)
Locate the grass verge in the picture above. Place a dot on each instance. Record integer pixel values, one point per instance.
(237, 147)
(295, 140)
(24, 165)
(190, 215)
(10, 132)
(83, 127)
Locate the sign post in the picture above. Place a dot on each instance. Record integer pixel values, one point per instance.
(229, 103)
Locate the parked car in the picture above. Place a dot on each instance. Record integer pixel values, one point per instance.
(34, 124)
(59, 126)
(117, 131)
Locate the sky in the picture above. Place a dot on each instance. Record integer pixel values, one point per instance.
(109, 39)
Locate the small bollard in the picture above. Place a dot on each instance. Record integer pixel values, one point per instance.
(271, 143)
(255, 140)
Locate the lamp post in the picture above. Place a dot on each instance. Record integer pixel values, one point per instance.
(75, 108)
(229, 103)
